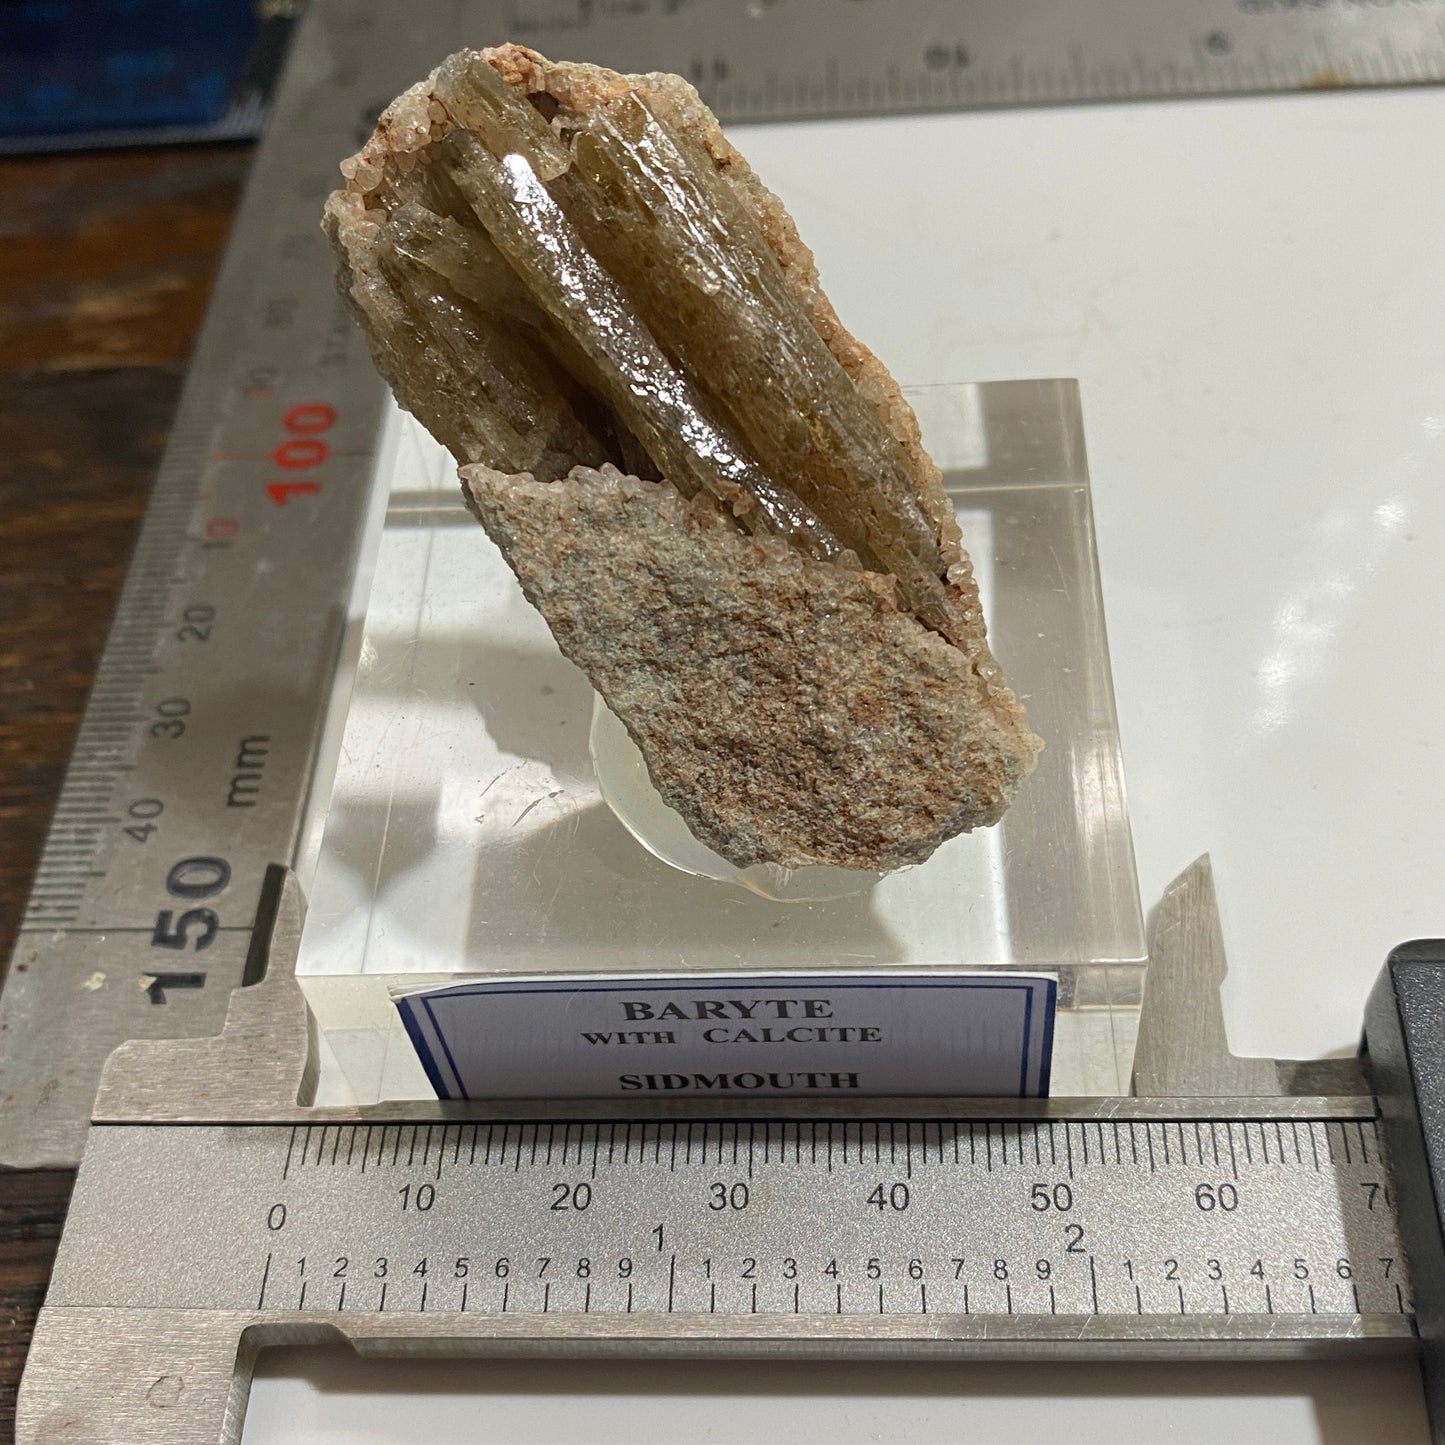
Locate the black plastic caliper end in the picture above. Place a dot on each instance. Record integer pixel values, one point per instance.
(1405, 1039)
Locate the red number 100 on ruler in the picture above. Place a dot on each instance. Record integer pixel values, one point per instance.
(302, 449)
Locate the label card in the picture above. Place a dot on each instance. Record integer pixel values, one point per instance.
(733, 1035)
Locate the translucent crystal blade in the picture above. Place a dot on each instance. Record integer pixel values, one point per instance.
(655, 399)
(706, 282)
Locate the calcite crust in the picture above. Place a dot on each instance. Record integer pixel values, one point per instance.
(713, 493)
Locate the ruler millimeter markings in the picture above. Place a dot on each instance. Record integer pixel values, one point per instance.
(796, 59)
(194, 760)
(1137, 1218)
(1174, 1226)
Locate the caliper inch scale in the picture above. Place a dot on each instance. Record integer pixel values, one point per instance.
(191, 771)
(1215, 1214)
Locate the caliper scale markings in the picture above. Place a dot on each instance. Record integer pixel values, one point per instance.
(1092, 1218)
(892, 1231)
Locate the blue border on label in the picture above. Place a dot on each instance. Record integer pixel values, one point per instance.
(429, 1064)
(446, 1050)
(419, 1041)
(1046, 1062)
(1028, 1034)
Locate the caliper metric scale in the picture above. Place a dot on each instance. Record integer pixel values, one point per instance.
(1211, 1216)
(1232, 1208)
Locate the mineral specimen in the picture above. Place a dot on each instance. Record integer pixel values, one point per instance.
(715, 495)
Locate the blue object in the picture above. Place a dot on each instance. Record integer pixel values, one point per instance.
(73, 67)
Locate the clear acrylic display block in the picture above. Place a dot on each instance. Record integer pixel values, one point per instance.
(457, 826)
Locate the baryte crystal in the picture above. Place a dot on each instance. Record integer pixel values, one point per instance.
(650, 394)
(709, 287)
(715, 496)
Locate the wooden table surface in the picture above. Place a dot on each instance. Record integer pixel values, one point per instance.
(106, 263)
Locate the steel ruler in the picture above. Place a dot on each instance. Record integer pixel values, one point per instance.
(192, 766)
(781, 59)
(1114, 1217)
(215, 1214)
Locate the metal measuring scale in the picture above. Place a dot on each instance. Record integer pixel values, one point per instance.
(1213, 1214)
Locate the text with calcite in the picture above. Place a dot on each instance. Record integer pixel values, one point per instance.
(779, 1031)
